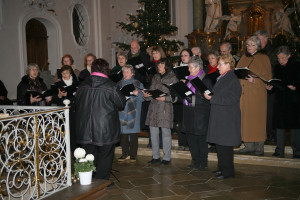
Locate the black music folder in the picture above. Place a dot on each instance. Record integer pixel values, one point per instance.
(155, 93)
(43, 94)
(181, 71)
(116, 77)
(127, 90)
(200, 86)
(180, 89)
(276, 83)
(243, 73)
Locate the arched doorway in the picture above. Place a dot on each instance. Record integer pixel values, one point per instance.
(36, 44)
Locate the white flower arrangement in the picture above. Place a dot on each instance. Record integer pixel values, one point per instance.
(90, 157)
(82, 163)
(79, 153)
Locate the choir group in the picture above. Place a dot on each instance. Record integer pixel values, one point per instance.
(209, 99)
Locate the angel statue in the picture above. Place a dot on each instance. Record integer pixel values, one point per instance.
(213, 13)
(282, 21)
(233, 24)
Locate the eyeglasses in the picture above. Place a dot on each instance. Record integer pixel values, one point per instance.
(222, 63)
(250, 45)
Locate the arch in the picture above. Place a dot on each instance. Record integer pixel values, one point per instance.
(54, 38)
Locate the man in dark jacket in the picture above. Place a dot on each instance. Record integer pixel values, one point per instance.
(98, 101)
(139, 59)
(271, 53)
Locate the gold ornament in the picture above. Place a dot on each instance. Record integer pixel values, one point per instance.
(135, 24)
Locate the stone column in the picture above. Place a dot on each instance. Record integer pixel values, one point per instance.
(198, 14)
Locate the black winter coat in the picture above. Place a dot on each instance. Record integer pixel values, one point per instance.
(84, 74)
(70, 96)
(24, 85)
(195, 119)
(225, 114)
(286, 112)
(98, 101)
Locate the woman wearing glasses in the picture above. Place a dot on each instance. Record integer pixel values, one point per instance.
(254, 97)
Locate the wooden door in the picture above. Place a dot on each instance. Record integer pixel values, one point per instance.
(36, 42)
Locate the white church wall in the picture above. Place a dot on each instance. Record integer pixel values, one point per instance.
(103, 31)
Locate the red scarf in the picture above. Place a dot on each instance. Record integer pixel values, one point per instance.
(155, 61)
(212, 69)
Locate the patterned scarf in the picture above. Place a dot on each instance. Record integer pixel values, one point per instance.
(200, 74)
(128, 118)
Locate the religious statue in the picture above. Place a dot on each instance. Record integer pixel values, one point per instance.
(213, 14)
(233, 24)
(282, 21)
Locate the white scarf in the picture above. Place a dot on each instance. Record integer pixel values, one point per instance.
(89, 68)
(68, 82)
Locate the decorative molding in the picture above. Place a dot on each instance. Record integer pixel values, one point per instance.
(42, 5)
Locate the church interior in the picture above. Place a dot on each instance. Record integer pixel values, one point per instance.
(42, 31)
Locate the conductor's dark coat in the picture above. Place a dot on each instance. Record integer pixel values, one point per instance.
(225, 115)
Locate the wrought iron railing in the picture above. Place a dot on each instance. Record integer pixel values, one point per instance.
(34, 151)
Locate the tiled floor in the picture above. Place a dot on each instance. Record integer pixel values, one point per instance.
(138, 181)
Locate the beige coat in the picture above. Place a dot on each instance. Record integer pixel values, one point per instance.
(253, 101)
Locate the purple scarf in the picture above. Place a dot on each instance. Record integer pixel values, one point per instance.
(192, 88)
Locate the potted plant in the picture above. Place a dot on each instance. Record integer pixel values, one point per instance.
(84, 166)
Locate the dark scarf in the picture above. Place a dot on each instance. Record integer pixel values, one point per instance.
(35, 84)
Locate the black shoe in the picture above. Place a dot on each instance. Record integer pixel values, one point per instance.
(123, 158)
(154, 161)
(192, 166)
(277, 155)
(217, 172)
(223, 177)
(132, 159)
(165, 162)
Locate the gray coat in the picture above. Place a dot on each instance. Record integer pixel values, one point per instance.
(160, 113)
(225, 116)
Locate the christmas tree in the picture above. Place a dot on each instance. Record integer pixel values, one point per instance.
(151, 25)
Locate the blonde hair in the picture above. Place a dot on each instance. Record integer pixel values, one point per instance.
(227, 58)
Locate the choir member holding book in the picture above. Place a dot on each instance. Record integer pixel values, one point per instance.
(131, 115)
(196, 116)
(224, 128)
(66, 89)
(182, 72)
(286, 113)
(160, 113)
(254, 97)
(31, 87)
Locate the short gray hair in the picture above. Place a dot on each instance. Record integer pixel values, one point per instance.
(31, 66)
(228, 45)
(198, 49)
(285, 50)
(262, 32)
(256, 40)
(122, 53)
(196, 62)
(129, 67)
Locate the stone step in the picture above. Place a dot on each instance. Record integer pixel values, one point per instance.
(266, 160)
